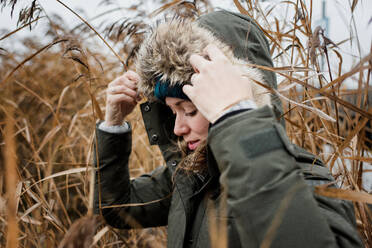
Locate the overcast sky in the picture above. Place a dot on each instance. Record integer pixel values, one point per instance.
(341, 23)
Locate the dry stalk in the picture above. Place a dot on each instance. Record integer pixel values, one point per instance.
(57, 101)
(11, 181)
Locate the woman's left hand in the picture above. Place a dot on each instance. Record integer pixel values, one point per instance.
(217, 84)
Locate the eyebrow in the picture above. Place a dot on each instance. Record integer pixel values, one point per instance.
(179, 102)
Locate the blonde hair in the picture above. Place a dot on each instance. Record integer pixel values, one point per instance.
(193, 161)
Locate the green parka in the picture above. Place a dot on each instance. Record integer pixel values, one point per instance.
(268, 182)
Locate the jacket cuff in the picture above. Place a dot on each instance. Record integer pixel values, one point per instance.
(115, 129)
(244, 105)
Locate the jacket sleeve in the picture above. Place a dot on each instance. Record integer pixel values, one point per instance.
(266, 193)
(147, 197)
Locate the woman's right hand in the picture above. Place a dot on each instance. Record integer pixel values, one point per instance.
(121, 98)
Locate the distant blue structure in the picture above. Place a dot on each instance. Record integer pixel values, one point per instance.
(324, 23)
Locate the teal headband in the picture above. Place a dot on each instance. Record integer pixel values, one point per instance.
(163, 90)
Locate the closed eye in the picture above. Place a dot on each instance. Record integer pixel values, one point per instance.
(192, 113)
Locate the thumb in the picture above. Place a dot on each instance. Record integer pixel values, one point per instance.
(188, 90)
(138, 97)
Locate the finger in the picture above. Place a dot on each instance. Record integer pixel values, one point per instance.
(124, 80)
(134, 77)
(193, 78)
(130, 84)
(214, 52)
(197, 62)
(120, 98)
(119, 89)
(189, 91)
(138, 97)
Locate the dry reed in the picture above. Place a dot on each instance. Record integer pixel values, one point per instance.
(11, 181)
(52, 95)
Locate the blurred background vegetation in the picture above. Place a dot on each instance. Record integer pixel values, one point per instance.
(52, 85)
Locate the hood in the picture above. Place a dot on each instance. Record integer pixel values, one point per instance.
(166, 51)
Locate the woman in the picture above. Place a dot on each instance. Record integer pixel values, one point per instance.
(234, 155)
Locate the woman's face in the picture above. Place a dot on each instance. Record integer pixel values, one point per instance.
(190, 123)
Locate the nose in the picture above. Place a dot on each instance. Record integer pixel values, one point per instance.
(180, 126)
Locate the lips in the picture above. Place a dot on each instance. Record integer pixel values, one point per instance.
(192, 145)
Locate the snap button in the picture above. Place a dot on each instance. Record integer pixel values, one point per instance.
(174, 163)
(154, 137)
(147, 108)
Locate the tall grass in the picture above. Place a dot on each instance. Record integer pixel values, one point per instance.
(51, 96)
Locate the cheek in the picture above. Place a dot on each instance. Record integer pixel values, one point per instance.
(202, 127)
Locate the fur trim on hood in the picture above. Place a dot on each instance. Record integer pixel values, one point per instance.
(166, 52)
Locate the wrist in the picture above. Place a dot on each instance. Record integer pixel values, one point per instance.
(113, 123)
(115, 120)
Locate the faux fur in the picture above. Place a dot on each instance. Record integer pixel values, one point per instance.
(167, 50)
